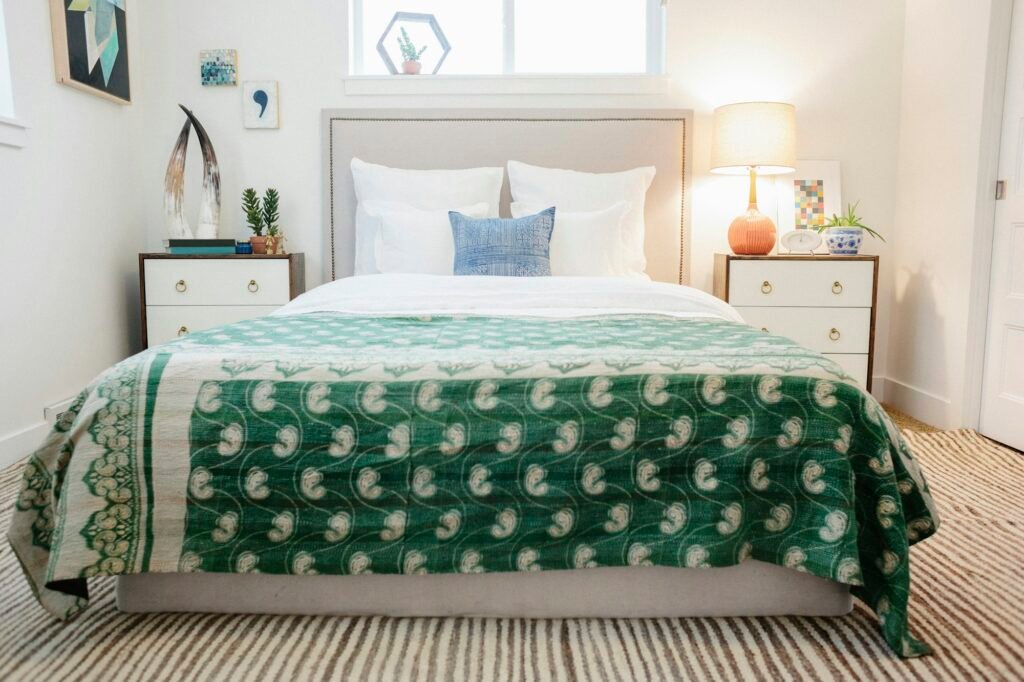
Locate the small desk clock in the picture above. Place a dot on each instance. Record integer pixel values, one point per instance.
(801, 240)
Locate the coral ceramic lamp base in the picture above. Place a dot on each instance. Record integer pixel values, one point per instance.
(752, 234)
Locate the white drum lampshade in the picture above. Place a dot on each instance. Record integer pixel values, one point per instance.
(751, 138)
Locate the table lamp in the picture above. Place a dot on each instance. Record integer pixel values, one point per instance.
(753, 137)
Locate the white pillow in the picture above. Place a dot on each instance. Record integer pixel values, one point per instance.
(585, 243)
(413, 240)
(575, 191)
(424, 189)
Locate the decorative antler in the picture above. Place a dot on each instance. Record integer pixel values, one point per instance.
(174, 186)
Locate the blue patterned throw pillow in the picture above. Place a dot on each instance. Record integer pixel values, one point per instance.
(509, 247)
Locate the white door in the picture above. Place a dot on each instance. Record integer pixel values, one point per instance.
(1002, 403)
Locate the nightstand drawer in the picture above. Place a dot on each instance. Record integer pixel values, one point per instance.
(826, 330)
(856, 365)
(234, 282)
(167, 322)
(832, 283)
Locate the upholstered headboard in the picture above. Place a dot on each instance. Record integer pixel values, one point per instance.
(595, 140)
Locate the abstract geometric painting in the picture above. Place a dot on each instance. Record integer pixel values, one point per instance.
(809, 202)
(90, 46)
(218, 67)
(809, 197)
(260, 104)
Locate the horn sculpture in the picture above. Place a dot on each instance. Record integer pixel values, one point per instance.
(174, 186)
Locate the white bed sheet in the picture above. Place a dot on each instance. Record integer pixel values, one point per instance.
(554, 297)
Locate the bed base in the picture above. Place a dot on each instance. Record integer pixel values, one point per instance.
(750, 589)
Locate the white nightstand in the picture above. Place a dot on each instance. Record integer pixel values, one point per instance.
(826, 303)
(182, 294)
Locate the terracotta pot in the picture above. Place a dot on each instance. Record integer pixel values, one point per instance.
(752, 234)
(411, 67)
(259, 244)
(275, 244)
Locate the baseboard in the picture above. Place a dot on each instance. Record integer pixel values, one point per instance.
(918, 403)
(18, 445)
(878, 388)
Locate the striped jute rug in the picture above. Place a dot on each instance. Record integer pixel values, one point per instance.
(968, 603)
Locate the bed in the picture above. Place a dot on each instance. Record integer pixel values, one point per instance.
(431, 445)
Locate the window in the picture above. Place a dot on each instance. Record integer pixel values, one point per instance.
(6, 89)
(493, 37)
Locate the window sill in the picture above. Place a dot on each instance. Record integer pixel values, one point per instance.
(13, 133)
(507, 85)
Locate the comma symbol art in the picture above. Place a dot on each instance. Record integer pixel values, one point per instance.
(261, 98)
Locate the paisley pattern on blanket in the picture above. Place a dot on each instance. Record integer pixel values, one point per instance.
(327, 443)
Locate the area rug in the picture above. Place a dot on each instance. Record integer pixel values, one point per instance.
(968, 603)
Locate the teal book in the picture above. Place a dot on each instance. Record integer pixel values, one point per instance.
(200, 250)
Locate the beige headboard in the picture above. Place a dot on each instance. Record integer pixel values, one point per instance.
(595, 140)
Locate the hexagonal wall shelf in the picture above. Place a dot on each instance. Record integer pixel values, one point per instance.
(391, 34)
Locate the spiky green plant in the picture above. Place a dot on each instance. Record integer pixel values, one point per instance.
(409, 52)
(253, 211)
(848, 219)
(271, 213)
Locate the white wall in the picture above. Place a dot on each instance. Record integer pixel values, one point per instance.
(72, 226)
(837, 62)
(90, 182)
(846, 92)
(946, 174)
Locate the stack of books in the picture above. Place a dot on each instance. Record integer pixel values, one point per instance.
(197, 247)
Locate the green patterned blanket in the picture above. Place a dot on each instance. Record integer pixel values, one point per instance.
(340, 444)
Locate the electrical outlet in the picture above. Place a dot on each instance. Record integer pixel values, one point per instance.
(51, 413)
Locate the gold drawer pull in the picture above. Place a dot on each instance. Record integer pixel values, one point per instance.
(766, 287)
(181, 286)
(253, 286)
(765, 329)
(837, 288)
(182, 330)
(834, 334)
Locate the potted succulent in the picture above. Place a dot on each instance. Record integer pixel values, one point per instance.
(411, 56)
(845, 233)
(253, 208)
(271, 214)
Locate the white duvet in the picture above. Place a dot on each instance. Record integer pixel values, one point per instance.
(402, 294)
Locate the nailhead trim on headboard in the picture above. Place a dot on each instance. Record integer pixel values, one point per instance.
(623, 119)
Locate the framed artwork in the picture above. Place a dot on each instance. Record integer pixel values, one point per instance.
(809, 196)
(218, 67)
(260, 104)
(90, 47)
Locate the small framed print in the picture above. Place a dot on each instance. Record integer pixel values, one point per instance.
(260, 104)
(218, 67)
(810, 196)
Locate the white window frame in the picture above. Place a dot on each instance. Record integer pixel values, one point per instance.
(12, 131)
(655, 44)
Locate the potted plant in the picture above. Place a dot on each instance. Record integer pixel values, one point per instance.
(254, 218)
(411, 56)
(845, 233)
(271, 214)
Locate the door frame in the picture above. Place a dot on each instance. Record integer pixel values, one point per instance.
(993, 104)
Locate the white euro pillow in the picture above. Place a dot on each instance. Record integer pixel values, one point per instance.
(423, 189)
(576, 191)
(417, 241)
(585, 243)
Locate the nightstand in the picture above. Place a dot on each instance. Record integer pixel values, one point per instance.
(182, 294)
(826, 303)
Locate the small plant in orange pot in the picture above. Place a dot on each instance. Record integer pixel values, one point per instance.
(253, 208)
(271, 214)
(411, 56)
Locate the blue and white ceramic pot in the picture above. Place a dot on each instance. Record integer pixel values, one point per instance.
(844, 241)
